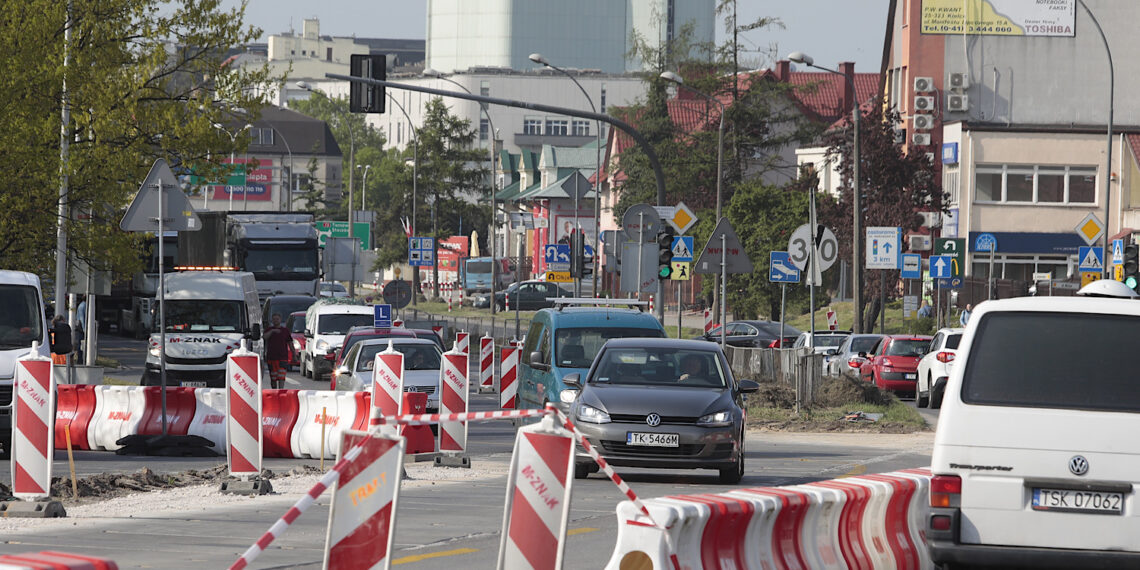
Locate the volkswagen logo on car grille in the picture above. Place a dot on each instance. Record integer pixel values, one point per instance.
(1079, 465)
(653, 420)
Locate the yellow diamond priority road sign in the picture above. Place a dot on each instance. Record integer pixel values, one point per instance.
(682, 219)
(1090, 229)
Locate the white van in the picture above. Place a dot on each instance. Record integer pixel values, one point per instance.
(22, 322)
(1036, 462)
(326, 323)
(208, 313)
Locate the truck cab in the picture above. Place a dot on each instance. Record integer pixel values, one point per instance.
(22, 324)
(208, 313)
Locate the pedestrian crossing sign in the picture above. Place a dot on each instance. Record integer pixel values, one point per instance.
(1090, 258)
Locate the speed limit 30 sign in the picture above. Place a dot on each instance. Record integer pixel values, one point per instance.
(799, 247)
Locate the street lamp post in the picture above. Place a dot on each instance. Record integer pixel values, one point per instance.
(429, 72)
(287, 185)
(415, 165)
(537, 58)
(680, 81)
(351, 160)
(1108, 152)
(233, 143)
(363, 189)
(856, 213)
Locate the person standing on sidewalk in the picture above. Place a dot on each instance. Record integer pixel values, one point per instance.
(277, 339)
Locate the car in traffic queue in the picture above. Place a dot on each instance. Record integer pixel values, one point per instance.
(526, 295)
(422, 362)
(326, 323)
(660, 403)
(754, 334)
(359, 333)
(1034, 462)
(935, 366)
(565, 339)
(847, 360)
(296, 325)
(825, 342)
(893, 366)
(333, 289)
(284, 305)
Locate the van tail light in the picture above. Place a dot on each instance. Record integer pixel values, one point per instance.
(944, 356)
(945, 491)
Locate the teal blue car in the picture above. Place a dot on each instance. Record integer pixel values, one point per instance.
(564, 340)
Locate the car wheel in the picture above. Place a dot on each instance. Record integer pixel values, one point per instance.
(733, 475)
(921, 399)
(936, 398)
(583, 470)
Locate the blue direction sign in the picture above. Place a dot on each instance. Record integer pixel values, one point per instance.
(941, 266)
(911, 266)
(1118, 252)
(682, 248)
(382, 314)
(421, 251)
(1090, 258)
(781, 269)
(557, 253)
(985, 242)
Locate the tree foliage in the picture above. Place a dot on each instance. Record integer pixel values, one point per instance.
(145, 80)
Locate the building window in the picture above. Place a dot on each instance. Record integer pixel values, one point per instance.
(532, 126)
(602, 104)
(399, 133)
(485, 88)
(557, 127)
(581, 128)
(1022, 267)
(258, 136)
(1034, 184)
(950, 183)
(484, 129)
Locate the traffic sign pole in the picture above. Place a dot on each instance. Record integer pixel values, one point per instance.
(723, 288)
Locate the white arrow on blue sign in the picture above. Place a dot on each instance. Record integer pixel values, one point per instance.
(382, 315)
(781, 269)
(941, 266)
(557, 253)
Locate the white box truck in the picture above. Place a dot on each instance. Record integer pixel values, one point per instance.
(208, 313)
(22, 322)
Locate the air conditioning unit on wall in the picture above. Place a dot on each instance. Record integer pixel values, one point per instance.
(923, 84)
(923, 122)
(919, 242)
(958, 81)
(920, 139)
(931, 219)
(957, 102)
(924, 103)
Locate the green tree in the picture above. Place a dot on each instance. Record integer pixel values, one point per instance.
(145, 80)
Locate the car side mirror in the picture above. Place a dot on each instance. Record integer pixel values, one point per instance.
(748, 386)
(572, 380)
(831, 351)
(308, 332)
(342, 371)
(862, 355)
(536, 361)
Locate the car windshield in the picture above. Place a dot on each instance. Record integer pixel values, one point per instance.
(296, 323)
(354, 338)
(282, 264)
(333, 288)
(864, 344)
(828, 340)
(907, 347)
(659, 367)
(416, 356)
(774, 329)
(576, 348)
(20, 319)
(340, 323)
(286, 306)
(203, 316)
(1054, 360)
(953, 340)
(479, 267)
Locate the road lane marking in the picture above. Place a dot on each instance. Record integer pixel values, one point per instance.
(430, 555)
(856, 470)
(582, 530)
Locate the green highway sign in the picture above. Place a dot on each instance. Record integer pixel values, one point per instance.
(340, 230)
(236, 178)
(955, 249)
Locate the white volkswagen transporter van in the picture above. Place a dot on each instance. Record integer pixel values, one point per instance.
(22, 322)
(1036, 460)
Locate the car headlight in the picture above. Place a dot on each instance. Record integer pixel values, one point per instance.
(716, 419)
(593, 415)
(321, 345)
(154, 351)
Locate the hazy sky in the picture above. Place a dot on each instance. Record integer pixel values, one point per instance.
(829, 30)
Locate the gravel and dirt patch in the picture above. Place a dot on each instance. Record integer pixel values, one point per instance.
(841, 405)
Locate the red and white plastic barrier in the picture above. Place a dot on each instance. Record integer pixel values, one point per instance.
(280, 410)
(33, 434)
(708, 321)
(387, 387)
(243, 413)
(538, 497)
(508, 378)
(487, 364)
(865, 522)
(118, 412)
(74, 410)
(463, 343)
(362, 521)
(417, 438)
(53, 560)
(453, 400)
(334, 411)
(210, 417)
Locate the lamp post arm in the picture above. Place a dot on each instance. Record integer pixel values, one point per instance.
(654, 161)
(1108, 152)
(287, 188)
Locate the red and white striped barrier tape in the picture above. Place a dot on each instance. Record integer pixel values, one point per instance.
(422, 419)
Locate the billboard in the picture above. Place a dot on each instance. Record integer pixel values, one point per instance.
(255, 187)
(1000, 17)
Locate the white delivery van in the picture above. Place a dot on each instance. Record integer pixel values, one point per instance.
(326, 323)
(208, 313)
(22, 322)
(1035, 461)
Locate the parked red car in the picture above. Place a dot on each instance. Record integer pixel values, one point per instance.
(893, 365)
(296, 325)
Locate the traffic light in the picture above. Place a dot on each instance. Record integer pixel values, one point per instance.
(1132, 266)
(665, 253)
(362, 97)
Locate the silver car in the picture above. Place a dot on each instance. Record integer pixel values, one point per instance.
(852, 347)
(422, 362)
(661, 403)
